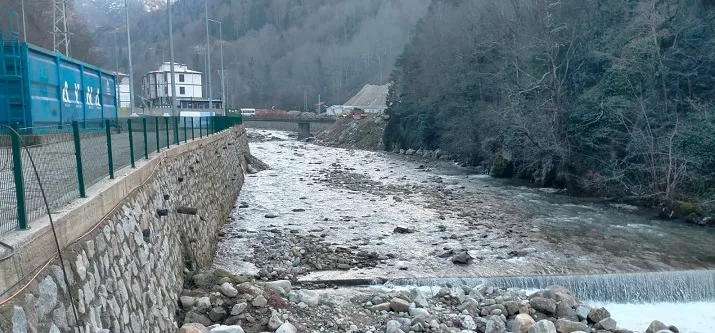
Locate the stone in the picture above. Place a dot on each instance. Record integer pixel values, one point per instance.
(59, 317)
(381, 307)
(512, 307)
(310, 298)
(227, 329)
(19, 320)
(194, 317)
(598, 314)
(217, 313)
(203, 304)
(187, 301)
(238, 308)
(522, 323)
(228, 290)
(421, 301)
(282, 286)
(543, 326)
(582, 312)
(287, 327)
(545, 305)
(48, 296)
(673, 329)
(564, 310)
(54, 329)
(608, 324)
(205, 280)
(193, 328)
(393, 326)
(270, 216)
(495, 325)
(467, 322)
(419, 312)
(567, 326)
(399, 305)
(260, 301)
(275, 321)
(462, 258)
(656, 326)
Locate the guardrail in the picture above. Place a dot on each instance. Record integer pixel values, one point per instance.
(71, 157)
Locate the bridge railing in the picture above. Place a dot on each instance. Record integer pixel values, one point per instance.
(71, 157)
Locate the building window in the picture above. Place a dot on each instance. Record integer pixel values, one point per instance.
(181, 77)
(182, 90)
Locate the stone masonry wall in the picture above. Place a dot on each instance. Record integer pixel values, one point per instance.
(126, 275)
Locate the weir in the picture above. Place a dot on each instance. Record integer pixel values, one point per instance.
(654, 287)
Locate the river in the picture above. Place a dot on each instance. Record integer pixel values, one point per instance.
(355, 200)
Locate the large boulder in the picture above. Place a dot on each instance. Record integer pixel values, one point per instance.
(564, 310)
(522, 323)
(399, 305)
(608, 324)
(287, 327)
(282, 287)
(543, 326)
(656, 326)
(228, 290)
(309, 297)
(545, 305)
(495, 325)
(582, 312)
(598, 314)
(567, 326)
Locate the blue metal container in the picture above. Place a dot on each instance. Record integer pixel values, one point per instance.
(41, 88)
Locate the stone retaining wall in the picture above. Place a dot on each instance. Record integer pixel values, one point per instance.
(126, 274)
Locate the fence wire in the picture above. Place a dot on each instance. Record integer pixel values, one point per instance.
(104, 147)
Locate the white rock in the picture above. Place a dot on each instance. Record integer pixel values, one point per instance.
(282, 286)
(311, 298)
(227, 329)
(228, 290)
(287, 327)
(238, 309)
(259, 301)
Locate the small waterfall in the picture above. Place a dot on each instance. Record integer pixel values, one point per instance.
(671, 287)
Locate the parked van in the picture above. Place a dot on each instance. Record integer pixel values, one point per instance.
(248, 112)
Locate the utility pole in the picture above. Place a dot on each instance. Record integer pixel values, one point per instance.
(24, 28)
(131, 68)
(171, 55)
(223, 79)
(60, 34)
(208, 56)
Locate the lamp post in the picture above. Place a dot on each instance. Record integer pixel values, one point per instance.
(208, 55)
(223, 79)
(24, 29)
(171, 56)
(131, 69)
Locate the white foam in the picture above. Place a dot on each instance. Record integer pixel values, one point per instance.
(696, 317)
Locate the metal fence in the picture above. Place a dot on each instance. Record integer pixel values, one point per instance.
(71, 157)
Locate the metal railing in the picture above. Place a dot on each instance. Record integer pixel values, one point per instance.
(69, 158)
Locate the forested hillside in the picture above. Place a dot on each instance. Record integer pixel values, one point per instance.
(277, 52)
(600, 96)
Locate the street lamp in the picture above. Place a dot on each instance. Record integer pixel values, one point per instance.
(223, 79)
(171, 55)
(208, 55)
(131, 69)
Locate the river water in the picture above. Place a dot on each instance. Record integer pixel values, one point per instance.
(355, 200)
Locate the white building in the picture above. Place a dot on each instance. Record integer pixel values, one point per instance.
(371, 99)
(122, 89)
(156, 88)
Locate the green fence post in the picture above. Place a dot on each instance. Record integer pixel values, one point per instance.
(110, 160)
(201, 130)
(156, 124)
(192, 128)
(131, 142)
(19, 181)
(176, 130)
(78, 159)
(186, 138)
(146, 141)
(166, 125)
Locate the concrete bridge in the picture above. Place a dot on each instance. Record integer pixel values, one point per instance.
(305, 127)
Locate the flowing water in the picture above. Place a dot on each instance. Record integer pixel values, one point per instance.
(518, 235)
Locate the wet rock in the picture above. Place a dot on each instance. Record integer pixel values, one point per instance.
(608, 324)
(673, 329)
(582, 312)
(656, 326)
(522, 323)
(243, 204)
(543, 326)
(598, 314)
(567, 326)
(399, 305)
(227, 329)
(403, 230)
(462, 258)
(228, 290)
(545, 305)
(193, 328)
(270, 216)
(564, 310)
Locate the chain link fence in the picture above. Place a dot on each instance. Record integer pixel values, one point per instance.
(69, 158)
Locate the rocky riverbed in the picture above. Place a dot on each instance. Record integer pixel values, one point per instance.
(218, 301)
(325, 218)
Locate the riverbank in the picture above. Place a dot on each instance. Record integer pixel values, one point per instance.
(367, 134)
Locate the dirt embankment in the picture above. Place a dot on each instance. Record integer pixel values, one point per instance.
(350, 133)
